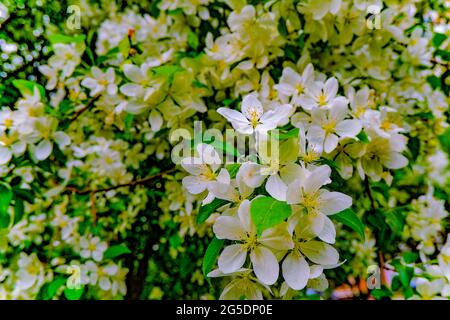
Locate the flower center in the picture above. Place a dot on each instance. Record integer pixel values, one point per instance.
(8, 123)
(322, 100)
(330, 126)
(208, 174)
(250, 242)
(310, 202)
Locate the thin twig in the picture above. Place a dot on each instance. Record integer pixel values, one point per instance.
(129, 184)
(82, 110)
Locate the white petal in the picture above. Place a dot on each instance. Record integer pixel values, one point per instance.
(265, 265)
(319, 252)
(43, 150)
(232, 258)
(331, 88)
(295, 271)
(235, 117)
(348, 128)
(333, 202)
(250, 173)
(318, 177)
(331, 142)
(131, 90)
(276, 187)
(194, 184)
(133, 73)
(193, 165)
(396, 161)
(316, 135)
(62, 139)
(244, 216)
(251, 105)
(328, 233)
(230, 228)
(208, 155)
(293, 192)
(315, 271)
(5, 155)
(155, 119)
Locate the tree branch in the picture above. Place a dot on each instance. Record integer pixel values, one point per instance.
(82, 110)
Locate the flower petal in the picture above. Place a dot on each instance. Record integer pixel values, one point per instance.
(230, 228)
(295, 271)
(332, 202)
(319, 252)
(232, 258)
(265, 265)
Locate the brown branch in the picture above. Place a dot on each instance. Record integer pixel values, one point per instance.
(129, 184)
(82, 110)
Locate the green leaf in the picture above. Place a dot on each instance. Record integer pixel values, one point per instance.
(115, 251)
(233, 169)
(438, 38)
(282, 29)
(210, 208)
(27, 87)
(410, 257)
(349, 218)
(61, 38)
(73, 294)
(167, 70)
(267, 212)
(211, 254)
(444, 140)
(192, 40)
(19, 209)
(24, 194)
(6, 196)
(444, 54)
(227, 102)
(293, 133)
(434, 81)
(124, 47)
(381, 293)
(395, 221)
(51, 288)
(198, 84)
(363, 137)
